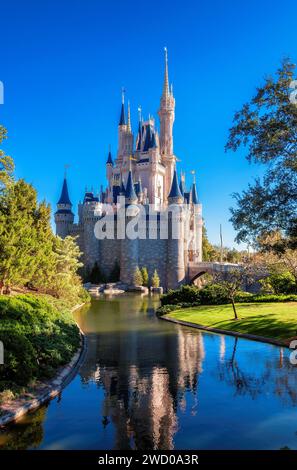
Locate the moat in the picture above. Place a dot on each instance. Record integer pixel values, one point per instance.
(148, 384)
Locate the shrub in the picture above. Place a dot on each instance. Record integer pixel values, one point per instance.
(186, 293)
(283, 283)
(166, 309)
(39, 334)
(213, 294)
(20, 359)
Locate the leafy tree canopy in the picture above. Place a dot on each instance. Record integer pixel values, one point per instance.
(267, 128)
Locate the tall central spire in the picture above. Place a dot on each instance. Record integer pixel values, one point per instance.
(122, 117)
(166, 80)
(129, 118)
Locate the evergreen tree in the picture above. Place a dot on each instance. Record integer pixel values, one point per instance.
(6, 164)
(115, 273)
(155, 279)
(137, 277)
(96, 275)
(145, 276)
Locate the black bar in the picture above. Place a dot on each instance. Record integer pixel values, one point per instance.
(106, 459)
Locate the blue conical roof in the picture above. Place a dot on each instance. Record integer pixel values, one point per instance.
(182, 186)
(122, 117)
(64, 198)
(109, 159)
(194, 194)
(130, 191)
(175, 191)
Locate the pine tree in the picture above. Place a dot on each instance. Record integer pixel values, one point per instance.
(137, 278)
(155, 279)
(145, 276)
(115, 273)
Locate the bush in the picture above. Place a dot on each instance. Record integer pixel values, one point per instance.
(213, 294)
(39, 334)
(186, 293)
(20, 359)
(166, 309)
(283, 283)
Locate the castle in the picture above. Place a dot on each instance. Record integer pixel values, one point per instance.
(142, 175)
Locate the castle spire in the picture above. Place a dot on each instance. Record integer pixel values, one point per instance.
(64, 198)
(129, 118)
(194, 194)
(130, 194)
(122, 117)
(175, 196)
(166, 80)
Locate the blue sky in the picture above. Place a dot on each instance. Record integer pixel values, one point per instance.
(63, 64)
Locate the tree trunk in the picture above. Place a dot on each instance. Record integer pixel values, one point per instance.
(234, 310)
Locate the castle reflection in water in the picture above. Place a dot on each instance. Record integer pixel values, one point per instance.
(147, 368)
(149, 384)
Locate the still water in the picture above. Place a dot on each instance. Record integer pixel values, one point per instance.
(149, 384)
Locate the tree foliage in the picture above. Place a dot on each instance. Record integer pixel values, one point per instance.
(30, 254)
(137, 277)
(155, 279)
(267, 128)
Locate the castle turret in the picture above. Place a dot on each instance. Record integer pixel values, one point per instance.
(130, 195)
(175, 252)
(109, 167)
(64, 217)
(166, 114)
(130, 244)
(125, 132)
(198, 222)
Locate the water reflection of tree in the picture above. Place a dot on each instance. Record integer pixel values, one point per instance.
(26, 434)
(276, 375)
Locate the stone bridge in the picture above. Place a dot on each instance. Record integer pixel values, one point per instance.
(196, 270)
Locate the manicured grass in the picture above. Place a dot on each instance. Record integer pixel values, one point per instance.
(272, 320)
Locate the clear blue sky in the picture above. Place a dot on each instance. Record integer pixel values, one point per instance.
(63, 64)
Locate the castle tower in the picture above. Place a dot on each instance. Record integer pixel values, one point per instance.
(64, 217)
(166, 114)
(129, 245)
(175, 251)
(197, 210)
(125, 147)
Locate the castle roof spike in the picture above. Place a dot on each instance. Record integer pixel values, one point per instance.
(166, 80)
(122, 116)
(109, 160)
(182, 183)
(130, 191)
(64, 198)
(175, 194)
(195, 199)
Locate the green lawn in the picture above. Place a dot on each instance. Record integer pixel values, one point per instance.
(272, 320)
